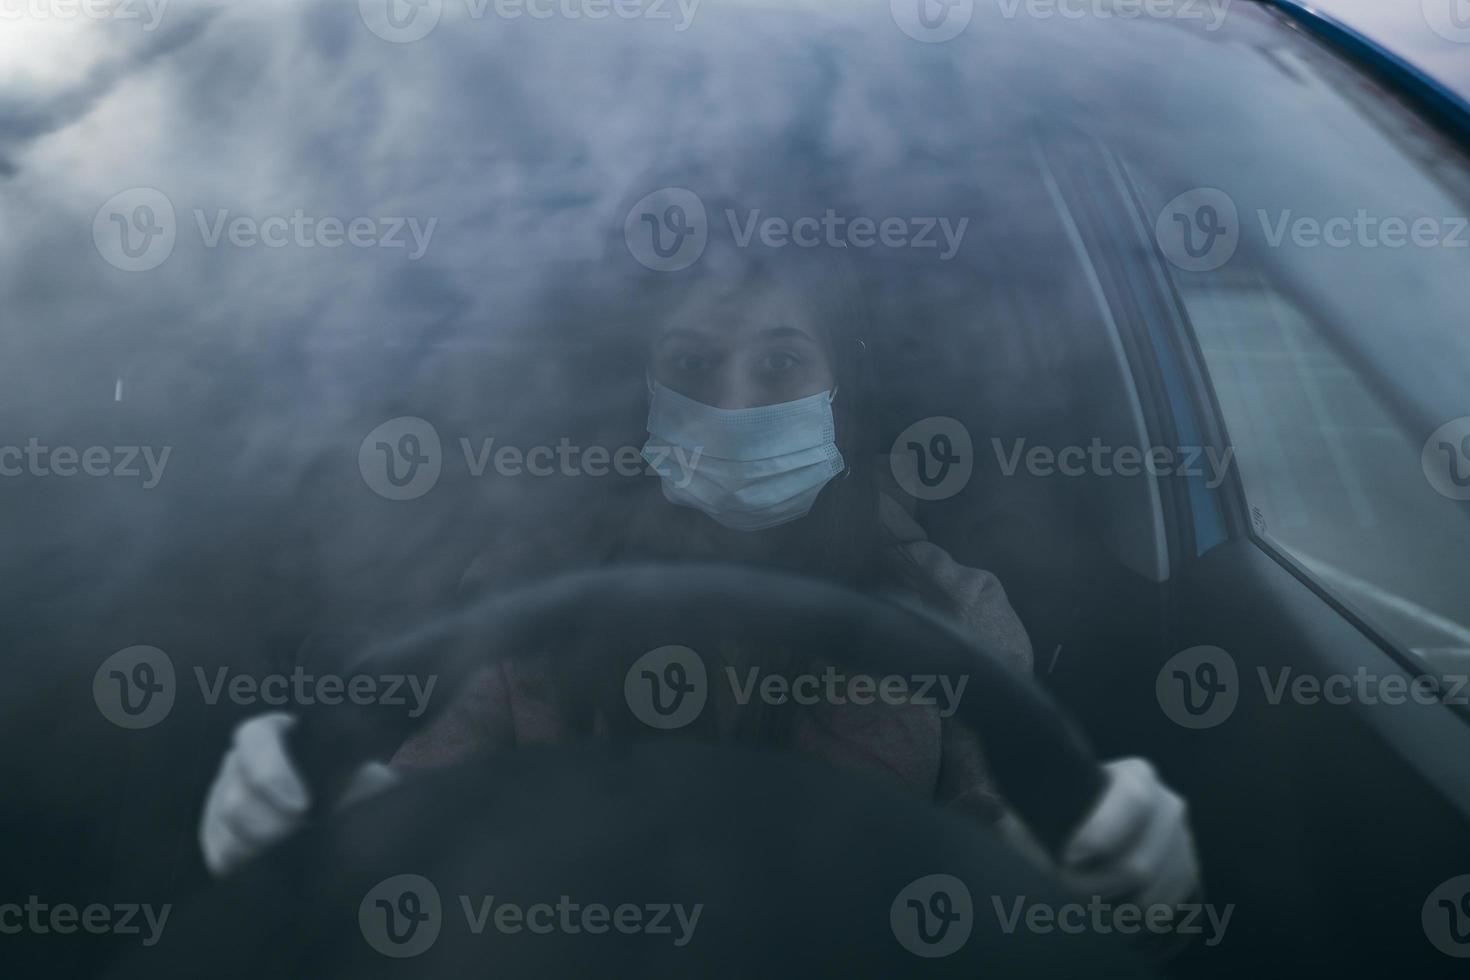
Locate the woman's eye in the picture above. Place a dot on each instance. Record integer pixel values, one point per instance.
(779, 362)
(688, 363)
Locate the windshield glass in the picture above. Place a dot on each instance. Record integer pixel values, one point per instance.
(321, 323)
(207, 257)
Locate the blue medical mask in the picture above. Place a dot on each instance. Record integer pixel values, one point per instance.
(747, 468)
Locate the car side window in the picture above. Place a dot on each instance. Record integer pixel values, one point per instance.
(1372, 512)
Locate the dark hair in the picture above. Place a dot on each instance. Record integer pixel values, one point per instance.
(842, 539)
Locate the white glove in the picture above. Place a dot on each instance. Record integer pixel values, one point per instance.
(258, 797)
(1135, 847)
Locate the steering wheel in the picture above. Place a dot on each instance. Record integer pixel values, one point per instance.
(868, 879)
(1042, 765)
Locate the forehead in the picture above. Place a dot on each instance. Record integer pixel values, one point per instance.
(753, 314)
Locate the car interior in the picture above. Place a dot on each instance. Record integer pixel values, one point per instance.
(1062, 323)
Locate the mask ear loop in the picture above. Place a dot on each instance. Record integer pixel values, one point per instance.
(862, 352)
(648, 380)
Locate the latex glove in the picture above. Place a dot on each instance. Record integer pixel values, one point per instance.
(258, 797)
(1135, 847)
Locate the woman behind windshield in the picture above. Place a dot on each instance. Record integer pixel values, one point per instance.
(756, 410)
(757, 388)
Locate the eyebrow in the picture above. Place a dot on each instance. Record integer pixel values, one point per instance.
(769, 333)
(678, 333)
(787, 333)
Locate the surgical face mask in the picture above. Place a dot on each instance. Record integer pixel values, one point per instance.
(747, 468)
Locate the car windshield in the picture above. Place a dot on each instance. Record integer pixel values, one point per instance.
(257, 253)
(320, 322)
